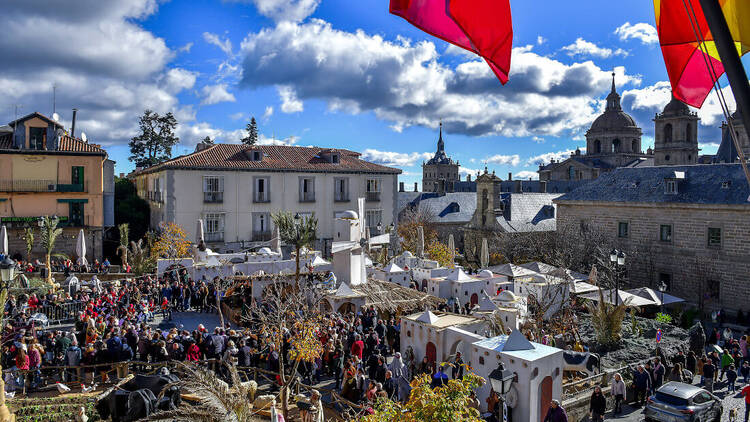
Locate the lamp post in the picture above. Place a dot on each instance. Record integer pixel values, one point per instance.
(662, 289)
(380, 228)
(617, 259)
(7, 274)
(501, 380)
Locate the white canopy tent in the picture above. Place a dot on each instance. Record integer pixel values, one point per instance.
(651, 294)
(581, 287)
(81, 248)
(4, 241)
(623, 298)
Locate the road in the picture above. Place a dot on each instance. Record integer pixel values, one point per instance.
(730, 401)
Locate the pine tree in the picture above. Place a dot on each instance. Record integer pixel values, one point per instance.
(154, 144)
(252, 133)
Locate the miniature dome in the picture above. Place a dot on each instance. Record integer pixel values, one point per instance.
(507, 296)
(349, 215)
(407, 254)
(485, 274)
(264, 251)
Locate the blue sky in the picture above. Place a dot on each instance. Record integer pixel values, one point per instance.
(337, 73)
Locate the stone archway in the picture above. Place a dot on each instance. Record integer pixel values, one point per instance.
(325, 306)
(346, 308)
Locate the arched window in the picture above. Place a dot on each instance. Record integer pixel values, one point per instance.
(634, 146)
(668, 132)
(571, 173)
(597, 146)
(616, 145)
(689, 132)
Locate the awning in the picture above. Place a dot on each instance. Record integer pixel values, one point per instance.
(580, 287)
(624, 298)
(651, 294)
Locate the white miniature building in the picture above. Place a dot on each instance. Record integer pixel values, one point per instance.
(440, 335)
(538, 369)
(463, 287)
(393, 273)
(511, 309)
(549, 291)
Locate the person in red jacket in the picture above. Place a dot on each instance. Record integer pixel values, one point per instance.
(746, 393)
(193, 353)
(33, 302)
(358, 347)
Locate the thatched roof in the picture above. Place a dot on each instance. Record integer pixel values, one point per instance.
(395, 299)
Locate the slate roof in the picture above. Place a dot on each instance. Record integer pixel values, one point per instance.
(528, 212)
(451, 208)
(553, 186)
(275, 157)
(702, 185)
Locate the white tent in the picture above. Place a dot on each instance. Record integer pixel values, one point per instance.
(623, 298)
(199, 235)
(318, 261)
(580, 287)
(81, 248)
(4, 241)
(651, 294)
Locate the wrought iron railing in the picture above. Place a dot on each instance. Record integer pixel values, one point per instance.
(28, 185)
(372, 196)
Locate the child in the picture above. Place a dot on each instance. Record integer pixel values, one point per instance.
(731, 378)
(745, 371)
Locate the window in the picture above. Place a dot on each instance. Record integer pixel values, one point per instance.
(262, 189)
(616, 145)
(597, 146)
(622, 229)
(76, 176)
(75, 218)
(257, 156)
(668, 132)
(670, 187)
(341, 189)
(726, 184)
(571, 173)
(634, 146)
(37, 137)
(261, 226)
(714, 237)
(373, 190)
(689, 132)
(667, 157)
(665, 278)
(213, 189)
(307, 189)
(665, 233)
(373, 218)
(214, 227)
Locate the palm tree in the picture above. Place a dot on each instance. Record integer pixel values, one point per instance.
(122, 250)
(28, 237)
(217, 400)
(140, 258)
(296, 231)
(607, 319)
(48, 233)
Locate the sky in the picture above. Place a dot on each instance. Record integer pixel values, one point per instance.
(335, 73)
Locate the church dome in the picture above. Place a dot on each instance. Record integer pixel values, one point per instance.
(613, 120)
(675, 108)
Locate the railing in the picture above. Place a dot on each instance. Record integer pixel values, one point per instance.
(307, 197)
(83, 222)
(60, 313)
(213, 197)
(261, 236)
(261, 197)
(340, 197)
(372, 196)
(214, 237)
(27, 185)
(155, 196)
(72, 187)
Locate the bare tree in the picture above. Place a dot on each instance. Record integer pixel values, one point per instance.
(409, 222)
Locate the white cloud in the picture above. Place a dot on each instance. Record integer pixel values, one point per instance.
(549, 156)
(237, 116)
(465, 171)
(289, 101)
(178, 79)
(512, 160)
(709, 145)
(214, 94)
(185, 48)
(640, 31)
(526, 175)
(537, 139)
(404, 84)
(284, 10)
(390, 158)
(225, 45)
(265, 140)
(582, 47)
(268, 113)
(540, 40)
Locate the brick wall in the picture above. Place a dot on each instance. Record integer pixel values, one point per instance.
(697, 270)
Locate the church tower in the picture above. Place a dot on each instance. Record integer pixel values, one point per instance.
(440, 172)
(676, 135)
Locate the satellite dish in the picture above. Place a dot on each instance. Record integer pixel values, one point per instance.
(83, 137)
(55, 117)
(59, 134)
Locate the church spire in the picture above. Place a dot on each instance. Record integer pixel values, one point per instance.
(614, 91)
(613, 99)
(441, 144)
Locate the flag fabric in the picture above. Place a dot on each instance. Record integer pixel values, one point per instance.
(683, 56)
(483, 27)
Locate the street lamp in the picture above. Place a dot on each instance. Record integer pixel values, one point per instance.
(7, 270)
(501, 380)
(662, 289)
(297, 216)
(380, 227)
(617, 258)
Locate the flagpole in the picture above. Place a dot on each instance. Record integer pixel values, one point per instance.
(730, 59)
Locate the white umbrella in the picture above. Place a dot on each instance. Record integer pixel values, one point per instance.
(420, 240)
(81, 247)
(484, 257)
(199, 234)
(451, 245)
(276, 241)
(4, 241)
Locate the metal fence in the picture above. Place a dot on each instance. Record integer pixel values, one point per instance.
(62, 312)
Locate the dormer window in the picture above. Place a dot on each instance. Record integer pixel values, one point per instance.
(726, 184)
(335, 158)
(257, 156)
(670, 187)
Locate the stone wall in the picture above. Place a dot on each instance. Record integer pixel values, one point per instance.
(716, 277)
(65, 244)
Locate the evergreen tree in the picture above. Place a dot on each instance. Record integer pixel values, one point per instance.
(154, 144)
(252, 133)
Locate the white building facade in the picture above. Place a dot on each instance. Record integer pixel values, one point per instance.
(236, 188)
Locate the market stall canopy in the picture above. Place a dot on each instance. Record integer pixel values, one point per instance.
(624, 298)
(581, 287)
(651, 294)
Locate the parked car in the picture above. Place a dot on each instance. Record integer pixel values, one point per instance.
(677, 402)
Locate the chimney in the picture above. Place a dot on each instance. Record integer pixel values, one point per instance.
(400, 186)
(73, 125)
(468, 177)
(415, 187)
(510, 176)
(543, 186)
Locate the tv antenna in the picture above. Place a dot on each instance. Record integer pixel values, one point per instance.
(54, 100)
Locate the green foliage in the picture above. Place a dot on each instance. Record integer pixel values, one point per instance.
(688, 317)
(48, 234)
(300, 233)
(154, 144)
(122, 249)
(663, 318)
(606, 319)
(440, 253)
(140, 258)
(252, 133)
(131, 209)
(446, 403)
(28, 237)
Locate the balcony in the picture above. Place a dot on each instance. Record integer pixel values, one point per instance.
(261, 236)
(155, 196)
(372, 196)
(28, 185)
(80, 221)
(262, 197)
(72, 187)
(213, 197)
(341, 197)
(307, 197)
(214, 237)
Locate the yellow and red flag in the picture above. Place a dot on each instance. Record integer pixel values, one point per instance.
(678, 22)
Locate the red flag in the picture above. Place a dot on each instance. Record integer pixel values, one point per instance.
(483, 27)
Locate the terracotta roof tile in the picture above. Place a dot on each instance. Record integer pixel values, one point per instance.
(275, 157)
(67, 144)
